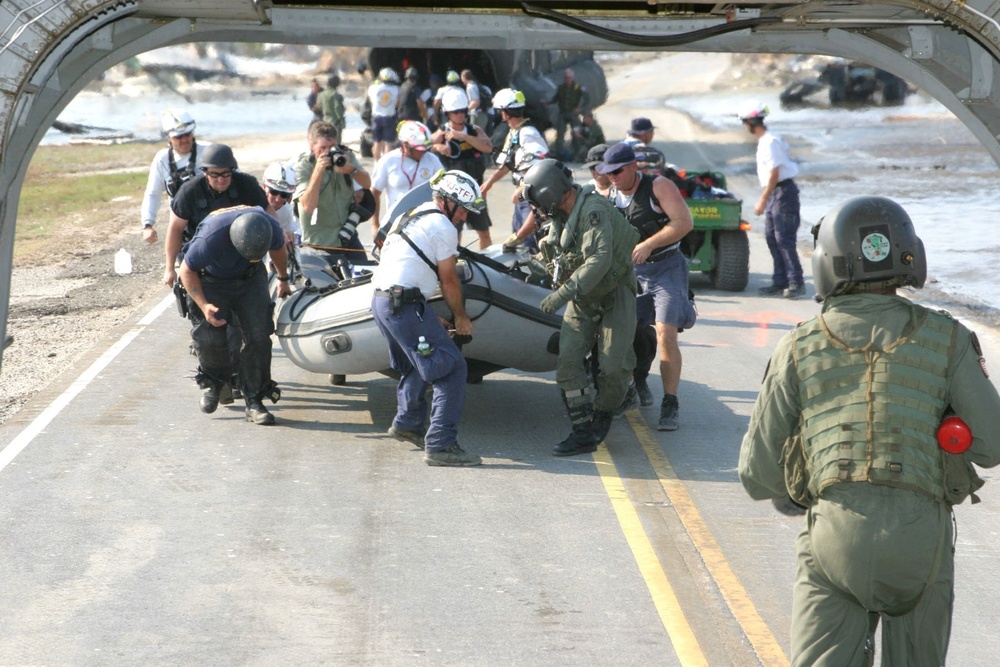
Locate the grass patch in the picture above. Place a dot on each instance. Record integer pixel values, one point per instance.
(71, 193)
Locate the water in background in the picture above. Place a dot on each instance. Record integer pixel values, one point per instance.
(918, 154)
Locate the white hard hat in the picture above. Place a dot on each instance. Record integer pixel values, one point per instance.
(754, 110)
(176, 123)
(508, 98)
(460, 188)
(452, 77)
(454, 99)
(388, 75)
(280, 177)
(414, 134)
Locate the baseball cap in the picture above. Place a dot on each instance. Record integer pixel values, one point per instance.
(595, 155)
(640, 125)
(617, 156)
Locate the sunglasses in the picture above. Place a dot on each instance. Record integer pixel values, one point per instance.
(219, 174)
(276, 193)
(183, 136)
(617, 171)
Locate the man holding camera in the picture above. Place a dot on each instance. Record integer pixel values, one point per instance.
(331, 183)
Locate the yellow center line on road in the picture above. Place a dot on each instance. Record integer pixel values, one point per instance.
(667, 606)
(756, 630)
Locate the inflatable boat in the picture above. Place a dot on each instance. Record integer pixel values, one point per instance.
(326, 325)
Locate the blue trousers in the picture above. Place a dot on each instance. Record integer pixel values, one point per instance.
(444, 369)
(781, 226)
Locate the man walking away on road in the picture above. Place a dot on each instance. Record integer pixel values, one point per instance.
(594, 245)
(383, 94)
(779, 203)
(421, 252)
(845, 430)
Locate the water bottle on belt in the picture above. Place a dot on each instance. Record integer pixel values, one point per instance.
(424, 348)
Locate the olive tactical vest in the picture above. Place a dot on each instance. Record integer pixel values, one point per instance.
(871, 415)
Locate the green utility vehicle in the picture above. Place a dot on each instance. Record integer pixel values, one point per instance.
(718, 244)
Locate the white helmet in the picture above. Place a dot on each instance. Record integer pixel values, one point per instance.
(527, 155)
(388, 75)
(459, 187)
(414, 134)
(754, 111)
(508, 98)
(280, 178)
(452, 77)
(454, 99)
(176, 123)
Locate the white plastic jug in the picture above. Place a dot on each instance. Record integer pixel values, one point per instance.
(123, 262)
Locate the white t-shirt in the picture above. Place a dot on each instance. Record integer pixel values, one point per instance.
(399, 264)
(286, 217)
(472, 92)
(396, 175)
(773, 151)
(383, 97)
(159, 175)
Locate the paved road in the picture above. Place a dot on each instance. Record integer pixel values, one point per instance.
(135, 530)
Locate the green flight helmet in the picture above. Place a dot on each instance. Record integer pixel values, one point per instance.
(251, 234)
(545, 184)
(866, 240)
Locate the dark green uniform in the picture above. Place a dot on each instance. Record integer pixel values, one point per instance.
(845, 424)
(601, 306)
(330, 105)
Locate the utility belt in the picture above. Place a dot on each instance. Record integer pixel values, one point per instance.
(246, 275)
(399, 296)
(662, 254)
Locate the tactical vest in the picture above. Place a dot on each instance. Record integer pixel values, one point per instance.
(872, 415)
(179, 177)
(588, 211)
(646, 219)
(469, 159)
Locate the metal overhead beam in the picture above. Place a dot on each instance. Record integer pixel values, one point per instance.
(51, 49)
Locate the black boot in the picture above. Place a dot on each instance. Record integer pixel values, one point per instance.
(581, 440)
(258, 414)
(601, 424)
(210, 398)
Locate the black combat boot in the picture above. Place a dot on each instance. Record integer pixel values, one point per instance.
(581, 440)
(210, 398)
(601, 424)
(257, 413)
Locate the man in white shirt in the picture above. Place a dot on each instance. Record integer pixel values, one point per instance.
(421, 251)
(400, 170)
(383, 94)
(779, 203)
(172, 167)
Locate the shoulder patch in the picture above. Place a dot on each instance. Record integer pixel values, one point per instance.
(594, 218)
(979, 352)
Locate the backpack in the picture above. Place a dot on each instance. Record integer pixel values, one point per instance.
(485, 96)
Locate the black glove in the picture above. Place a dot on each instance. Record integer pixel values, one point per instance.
(788, 507)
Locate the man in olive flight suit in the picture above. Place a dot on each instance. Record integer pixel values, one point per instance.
(845, 428)
(594, 243)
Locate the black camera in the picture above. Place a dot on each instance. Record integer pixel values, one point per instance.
(338, 157)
